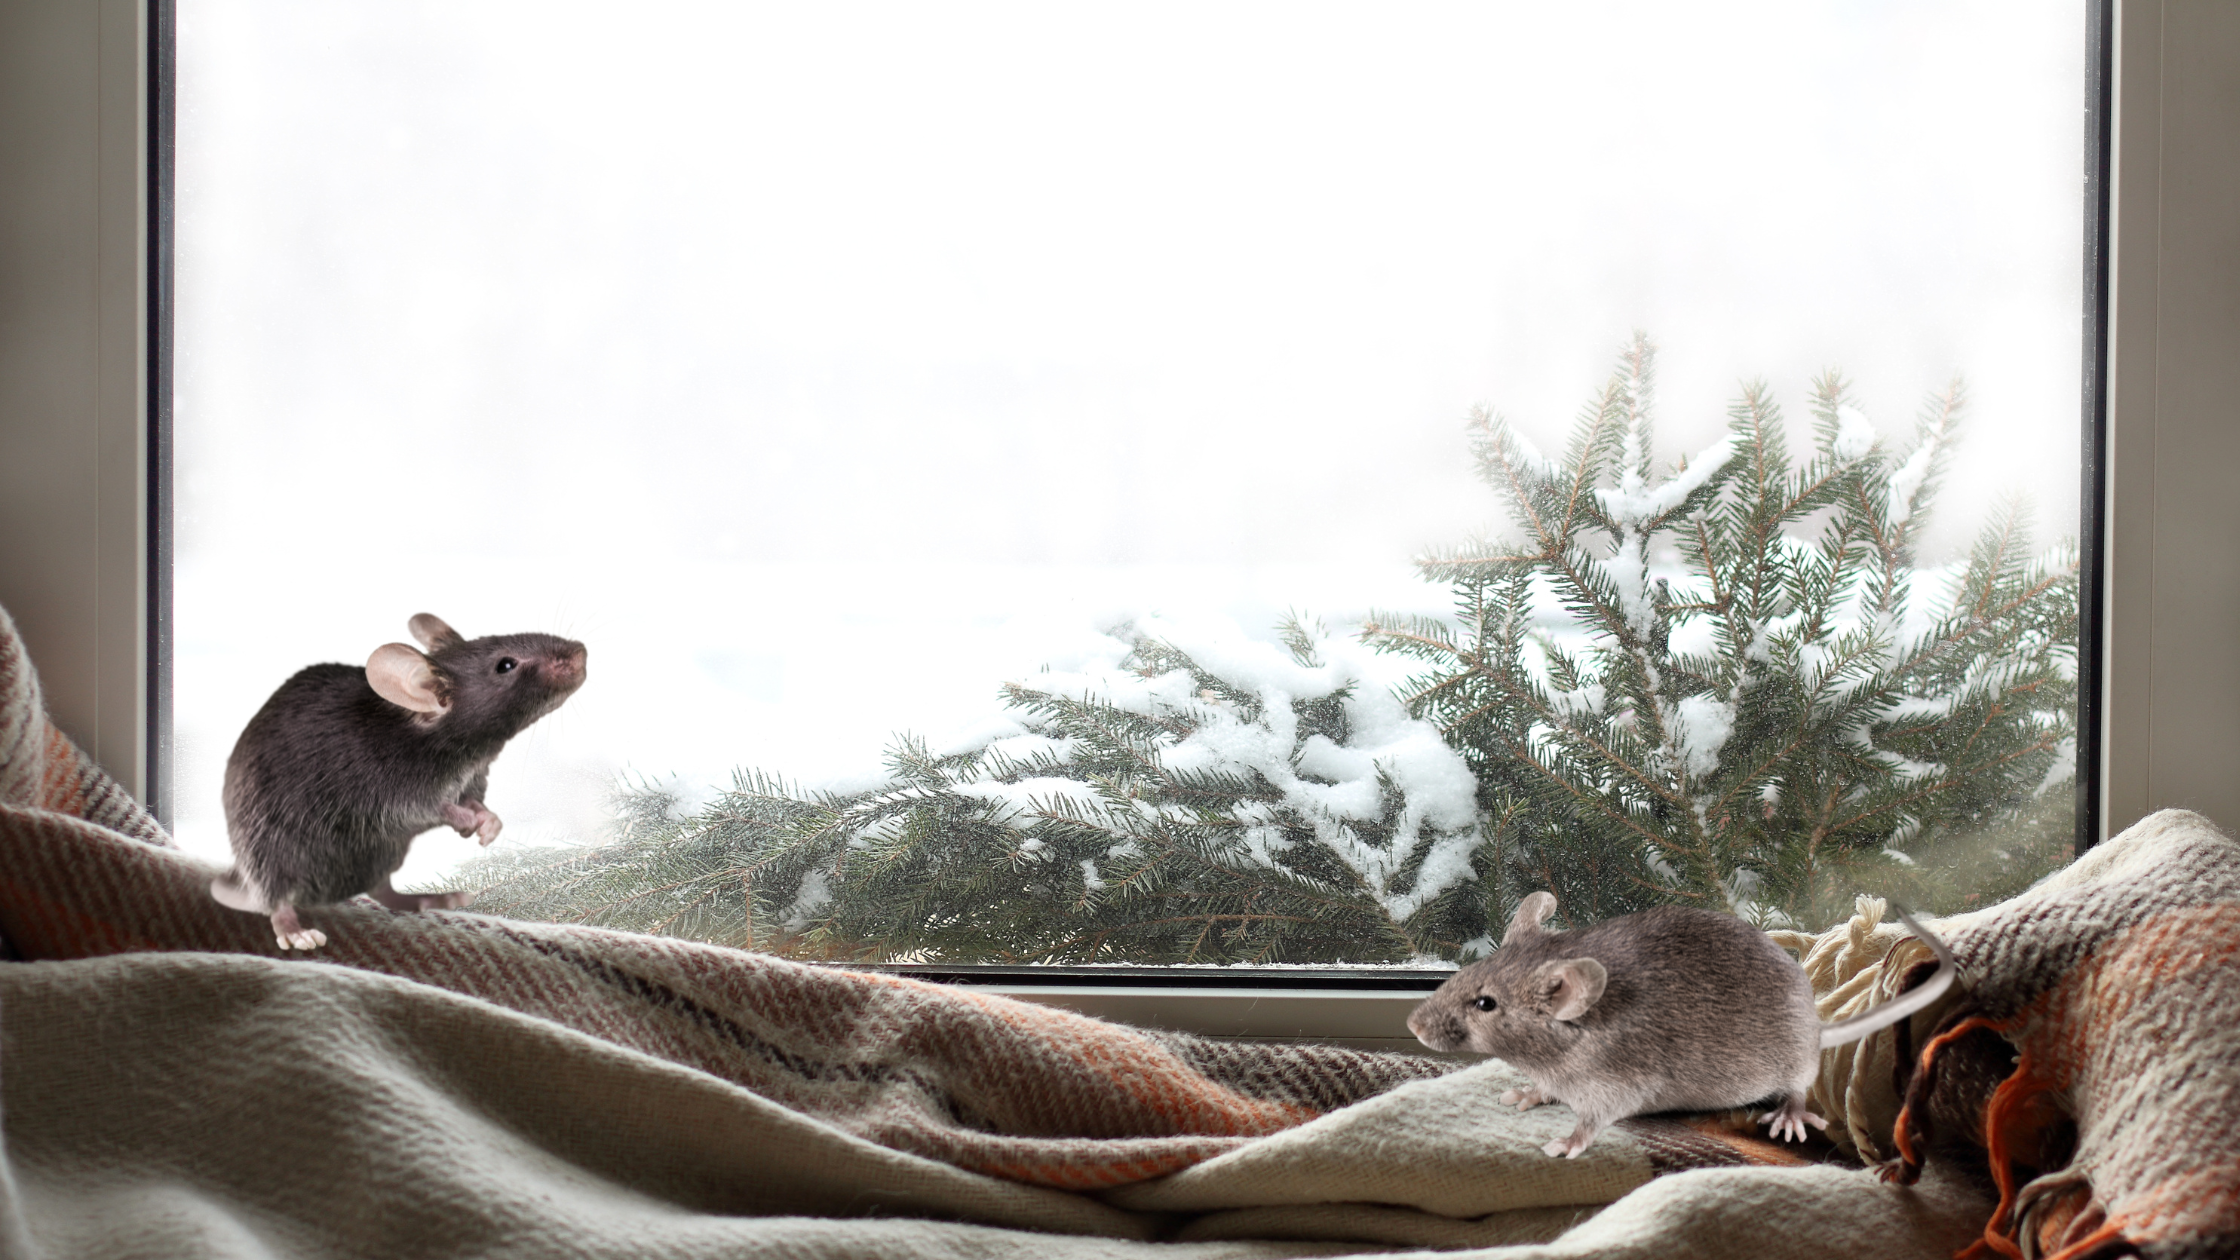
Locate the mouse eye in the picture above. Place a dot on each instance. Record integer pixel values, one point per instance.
(1485, 1003)
(506, 664)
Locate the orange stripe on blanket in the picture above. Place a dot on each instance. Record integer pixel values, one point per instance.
(62, 785)
(2139, 967)
(1194, 1104)
(1749, 1146)
(1146, 1074)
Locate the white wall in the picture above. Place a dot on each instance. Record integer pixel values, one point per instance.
(2172, 690)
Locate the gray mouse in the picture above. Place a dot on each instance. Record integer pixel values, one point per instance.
(1671, 1009)
(343, 767)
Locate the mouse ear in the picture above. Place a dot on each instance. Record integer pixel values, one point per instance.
(1530, 912)
(1571, 986)
(404, 678)
(432, 632)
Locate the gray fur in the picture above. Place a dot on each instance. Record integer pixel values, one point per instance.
(329, 783)
(1697, 1011)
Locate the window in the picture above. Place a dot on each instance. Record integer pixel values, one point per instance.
(825, 370)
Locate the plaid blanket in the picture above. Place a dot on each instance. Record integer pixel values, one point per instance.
(451, 1082)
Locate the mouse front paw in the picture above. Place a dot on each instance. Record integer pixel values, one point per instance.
(473, 818)
(1524, 1099)
(1568, 1148)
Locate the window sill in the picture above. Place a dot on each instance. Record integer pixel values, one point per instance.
(1369, 1019)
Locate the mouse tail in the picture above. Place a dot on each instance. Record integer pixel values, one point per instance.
(234, 889)
(1869, 1022)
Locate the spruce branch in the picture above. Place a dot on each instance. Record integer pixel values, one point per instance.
(1810, 724)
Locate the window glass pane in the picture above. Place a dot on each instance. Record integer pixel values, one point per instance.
(1006, 436)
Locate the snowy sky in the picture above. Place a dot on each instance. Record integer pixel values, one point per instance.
(821, 366)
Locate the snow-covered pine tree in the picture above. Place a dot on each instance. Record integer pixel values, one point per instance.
(1224, 803)
(1730, 686)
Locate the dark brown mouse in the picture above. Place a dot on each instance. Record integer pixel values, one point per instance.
(1672, 1009)
(343, 766)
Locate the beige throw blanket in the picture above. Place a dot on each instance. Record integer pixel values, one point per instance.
(458, 1084)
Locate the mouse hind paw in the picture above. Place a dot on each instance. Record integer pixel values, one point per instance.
(290, 933)
(1787, 1122)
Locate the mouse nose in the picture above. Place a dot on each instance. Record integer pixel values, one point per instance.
(568, 668)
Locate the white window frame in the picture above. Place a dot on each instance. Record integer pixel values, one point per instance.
(75, 318)
(84, 415)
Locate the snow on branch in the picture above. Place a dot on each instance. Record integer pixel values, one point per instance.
(1776, 711)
